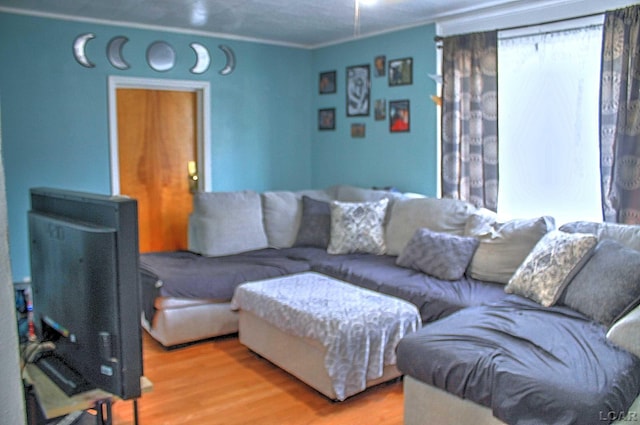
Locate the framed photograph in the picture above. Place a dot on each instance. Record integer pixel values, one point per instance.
(380, 65)
(327, 82)
(358, 86)
(401, 72)
(327, 119)
(399, 116)
(358, 130)
(380, 109)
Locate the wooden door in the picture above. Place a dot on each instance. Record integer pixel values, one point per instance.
(157, 134)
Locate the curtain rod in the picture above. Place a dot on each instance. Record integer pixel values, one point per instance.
(439, 38)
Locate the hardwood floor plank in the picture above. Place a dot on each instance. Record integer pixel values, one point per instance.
(221, 382)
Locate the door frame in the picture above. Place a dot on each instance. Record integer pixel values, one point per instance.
(203, 121)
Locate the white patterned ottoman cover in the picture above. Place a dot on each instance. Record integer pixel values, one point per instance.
(359, 328)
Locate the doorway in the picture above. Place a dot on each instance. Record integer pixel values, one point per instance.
(156, 128)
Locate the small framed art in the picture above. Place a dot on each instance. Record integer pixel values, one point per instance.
(327, 82)
(401, 72)
(380, 110)
(358, 84)
(327, 119)
(358, 130)
(380, 65)
(399, 116)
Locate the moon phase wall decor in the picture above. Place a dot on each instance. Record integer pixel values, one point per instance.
(202, 58)
(161, 56)
(231, 60)
(79, 49)
(114, 52)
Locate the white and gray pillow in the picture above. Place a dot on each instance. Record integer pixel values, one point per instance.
(357, 227)
(551, 265)
(608, 286)
(438, 254)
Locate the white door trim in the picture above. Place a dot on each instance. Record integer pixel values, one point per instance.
(203, 91)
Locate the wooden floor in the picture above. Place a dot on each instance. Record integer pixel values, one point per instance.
(220, 381)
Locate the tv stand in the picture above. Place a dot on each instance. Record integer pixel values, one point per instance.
(56, 404)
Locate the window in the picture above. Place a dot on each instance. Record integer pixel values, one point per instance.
(548, 100)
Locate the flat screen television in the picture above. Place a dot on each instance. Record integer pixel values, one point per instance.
(86, 286)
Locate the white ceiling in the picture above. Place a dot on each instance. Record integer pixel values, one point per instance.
(305, 23)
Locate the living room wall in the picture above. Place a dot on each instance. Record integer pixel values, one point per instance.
(55, 112)
(263, 121)
(406, 160)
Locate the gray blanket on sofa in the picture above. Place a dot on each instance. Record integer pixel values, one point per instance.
(494, 355)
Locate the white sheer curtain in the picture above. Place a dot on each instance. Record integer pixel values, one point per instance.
(548, 101)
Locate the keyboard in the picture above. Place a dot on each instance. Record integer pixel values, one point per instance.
(69, 381)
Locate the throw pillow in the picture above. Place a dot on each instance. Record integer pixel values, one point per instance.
(224, 223)
(315, 225)
(438, 254)
(608, 286)
(503, 246)
(357, 227)
(551, 265)
(624, 332)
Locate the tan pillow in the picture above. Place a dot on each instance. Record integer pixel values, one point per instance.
(625, 332)
(504, 246)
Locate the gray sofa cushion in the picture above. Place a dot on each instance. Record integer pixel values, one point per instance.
(504, 246)
(315, 224)
(438, 254)
(409, 215)
(608, 286)
(224, 223)
(551, 265)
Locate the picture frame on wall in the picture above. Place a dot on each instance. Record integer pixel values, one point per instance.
(401, 72)
(327, 82)
(380, 65)
(358, 130)
(399, 116)
(380, 109)
(327, 119)
(358, 90)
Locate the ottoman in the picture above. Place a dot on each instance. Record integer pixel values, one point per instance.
(336, 337)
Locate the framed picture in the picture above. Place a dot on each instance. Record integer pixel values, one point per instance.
(380, 109)
(327, 82)
(358, 85)
(380, 65)
(401, 72)
(358, 130)
(399, 116)
(327, 119)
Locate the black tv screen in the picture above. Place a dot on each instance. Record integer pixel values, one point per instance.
(85, 283)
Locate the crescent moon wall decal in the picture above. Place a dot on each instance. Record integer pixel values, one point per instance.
(231, 60)
(79, 49)
(202, 58)
(114, 52)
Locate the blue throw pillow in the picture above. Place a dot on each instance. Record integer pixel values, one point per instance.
(438, 254)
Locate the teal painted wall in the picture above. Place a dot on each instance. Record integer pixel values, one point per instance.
(55, 111)
(263, 119)
(406, 161)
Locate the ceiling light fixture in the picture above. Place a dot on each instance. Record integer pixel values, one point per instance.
(356, 18)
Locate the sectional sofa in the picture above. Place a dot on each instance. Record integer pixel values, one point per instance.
(488, 294)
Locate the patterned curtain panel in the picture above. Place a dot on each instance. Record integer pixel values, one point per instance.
(620, 116)
(470, 118)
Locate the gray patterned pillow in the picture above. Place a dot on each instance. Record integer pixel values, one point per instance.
(357, 227)
(608, 286)
(315, 225)
(438, 254)
(551, 265)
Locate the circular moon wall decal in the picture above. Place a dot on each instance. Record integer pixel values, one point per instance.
(114, 52)
(202, 58)
(79, 49)
(231, 60)
(160, 56)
